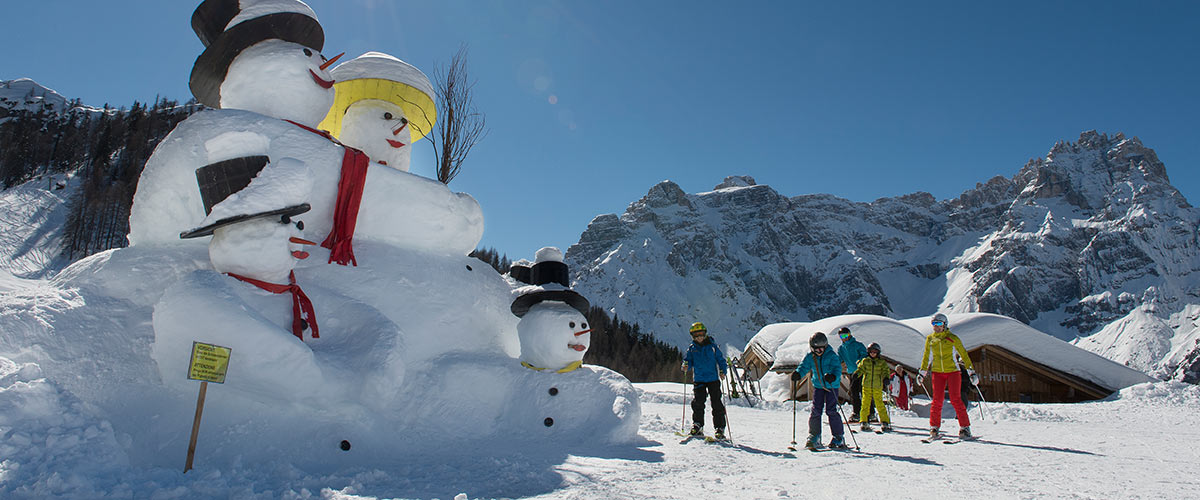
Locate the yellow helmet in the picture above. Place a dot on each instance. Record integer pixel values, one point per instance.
(697, 327)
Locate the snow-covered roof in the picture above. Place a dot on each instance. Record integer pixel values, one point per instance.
(977, 329)
(904, 342)
(899, 342)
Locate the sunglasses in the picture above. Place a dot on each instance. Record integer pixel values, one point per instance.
(939, 323)
(699, 334)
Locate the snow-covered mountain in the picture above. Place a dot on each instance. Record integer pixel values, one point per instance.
(25, 94)
(1090, 243)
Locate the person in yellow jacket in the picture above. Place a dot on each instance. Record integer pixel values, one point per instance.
(873, 370)
(940, 347)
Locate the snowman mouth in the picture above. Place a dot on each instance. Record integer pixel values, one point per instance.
(577, 347)
(396, 144)
(321, 81)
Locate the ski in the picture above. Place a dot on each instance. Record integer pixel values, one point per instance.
(958, 440)
(931, 439)
(879, 431)
(686, 439)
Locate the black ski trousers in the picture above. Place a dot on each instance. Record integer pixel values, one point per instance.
(710, 390)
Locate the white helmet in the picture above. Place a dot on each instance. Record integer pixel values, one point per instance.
(942, 318)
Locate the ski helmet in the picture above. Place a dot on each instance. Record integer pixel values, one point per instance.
(697, 327)
(874, 347)
(844, 332)
(817, 340)
(942, 318)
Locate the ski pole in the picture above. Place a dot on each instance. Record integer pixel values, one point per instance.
(793, 446)
(982, 402)
(728, 428)
(846, 425)
(683, 422)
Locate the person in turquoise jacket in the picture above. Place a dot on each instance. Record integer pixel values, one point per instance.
(851, 352)
(826, 371)
(708, 370)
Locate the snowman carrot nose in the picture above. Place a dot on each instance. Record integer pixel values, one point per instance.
(300, 241)
(327, 63)
(397, 131)
(589, 330)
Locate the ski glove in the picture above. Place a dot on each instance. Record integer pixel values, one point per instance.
(921, 376)
(829, 378)
(683, 367)
(722, 375)
(974, 377)
(797, 376)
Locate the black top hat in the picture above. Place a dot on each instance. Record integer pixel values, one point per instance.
(548, 282)
(521, 272)
(223, 43)
(219, 180)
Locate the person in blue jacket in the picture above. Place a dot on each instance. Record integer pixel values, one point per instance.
(851, 352)
(826, 370)
(708, 370)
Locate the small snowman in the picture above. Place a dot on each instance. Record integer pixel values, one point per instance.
(553, 331)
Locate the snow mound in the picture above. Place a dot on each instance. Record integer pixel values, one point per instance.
(1170, 393)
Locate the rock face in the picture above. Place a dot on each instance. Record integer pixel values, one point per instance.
(1090, 244)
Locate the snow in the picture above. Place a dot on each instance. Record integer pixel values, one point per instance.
(1137, 444)
(32, 216)
(280, 79)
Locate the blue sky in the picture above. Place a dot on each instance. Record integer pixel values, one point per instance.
(589, 104)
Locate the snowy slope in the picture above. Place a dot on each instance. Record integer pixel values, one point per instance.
(56, 446)
(1071, 244)
(32, 216)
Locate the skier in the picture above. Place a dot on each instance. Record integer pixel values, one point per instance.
(900, 386)
(708, 370)
(850, 352)
(940, 347)
(872, 370)
(825, 368)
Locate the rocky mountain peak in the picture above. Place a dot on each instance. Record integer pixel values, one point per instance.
(1093, 218)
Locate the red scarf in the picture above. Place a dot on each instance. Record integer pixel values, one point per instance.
(345, 211)
(302, 308)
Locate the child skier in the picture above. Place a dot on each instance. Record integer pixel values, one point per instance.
(939, 358)
(708, 370)
(826, 370)
(900, 386)
(872, 370)
(850, 352)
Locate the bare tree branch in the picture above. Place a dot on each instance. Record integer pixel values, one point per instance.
(459, 124)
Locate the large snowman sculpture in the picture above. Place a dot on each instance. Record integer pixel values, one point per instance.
(413, 334)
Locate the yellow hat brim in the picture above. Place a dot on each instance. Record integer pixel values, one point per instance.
(417, 105)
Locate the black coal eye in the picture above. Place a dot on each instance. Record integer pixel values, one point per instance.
(387, 116)
(404, 121)
(572, 324)
(307, 53)
(583, 325)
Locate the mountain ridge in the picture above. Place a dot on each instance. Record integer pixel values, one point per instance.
(1073, 242)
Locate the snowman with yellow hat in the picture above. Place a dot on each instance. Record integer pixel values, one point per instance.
(382, 106)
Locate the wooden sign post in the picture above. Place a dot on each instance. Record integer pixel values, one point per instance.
(209, 364)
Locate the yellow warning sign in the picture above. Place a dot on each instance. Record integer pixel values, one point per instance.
(209, 362)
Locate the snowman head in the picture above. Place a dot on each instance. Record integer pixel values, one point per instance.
(381, 130)
(241, 36)
(383, 105)
(553, 335)
(280, 79)
(261, 248)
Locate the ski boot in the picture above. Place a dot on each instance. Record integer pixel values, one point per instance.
(838, 443)
(720, 435)
(865, 427)
(696, 431)
(886, 427)
(965, 433)
(814, 442)
(933, 433)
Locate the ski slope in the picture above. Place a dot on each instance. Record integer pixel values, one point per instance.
(1139, 444)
